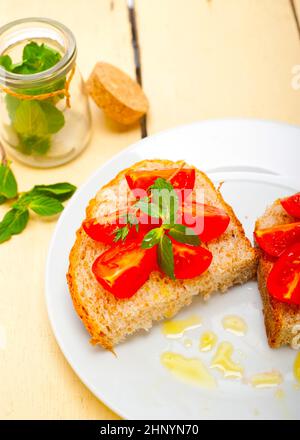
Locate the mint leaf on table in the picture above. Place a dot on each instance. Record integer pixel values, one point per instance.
(8, 183)
(44, 200)
(61, 191)
(184, 234)
(13, 223)
(165, 256)
(45, 206)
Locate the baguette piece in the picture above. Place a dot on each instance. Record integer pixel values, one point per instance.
(120, 97)
(110, 320)
(282, 320)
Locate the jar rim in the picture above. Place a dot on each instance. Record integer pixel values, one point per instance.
(64, 65)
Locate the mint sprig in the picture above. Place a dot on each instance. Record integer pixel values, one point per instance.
(43, 200)
(162, 203)
(35, 121)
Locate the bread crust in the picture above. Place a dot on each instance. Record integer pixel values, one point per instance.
(280, 318)
(180, 291)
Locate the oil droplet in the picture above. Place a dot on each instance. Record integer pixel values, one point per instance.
(187, 343)
(188, 369)
(207, 341)
(222, 361)
(266, 380)
(176, 328)
(235, 324)
(297, 367)
(279, 394)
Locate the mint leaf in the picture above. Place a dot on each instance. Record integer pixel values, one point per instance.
(121, 233)
(164, 195)
(2, 199)
(14, 222)
(61, 191)
(152, 238)
(55, 118)
(12, 103)
(33, 144)
(161, 183)
(150, 209)
(30, 120)
(165, 257)
(8, 183)
(6, 62)
(38, 58)
(45, 206)
(183, 234)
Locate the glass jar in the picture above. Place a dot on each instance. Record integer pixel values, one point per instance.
(44, 117)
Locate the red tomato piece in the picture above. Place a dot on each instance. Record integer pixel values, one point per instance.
(292, 205)
(207, 221)
(104, 232)
(274, 241)
(284, 279)
(190, 261)
(124, 268)
(183, 179)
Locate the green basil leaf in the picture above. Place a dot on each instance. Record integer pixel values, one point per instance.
(152, 238)
(30, 120)
(61, 191)
(45, 206)
(165, 256)
(55, 118)
(14, 222)
(8, 183)
(183, 234)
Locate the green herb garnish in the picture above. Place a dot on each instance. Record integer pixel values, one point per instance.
(35, 121)
(162, 203)
(44, 200)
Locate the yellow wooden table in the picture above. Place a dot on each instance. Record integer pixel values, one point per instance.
(199, 59)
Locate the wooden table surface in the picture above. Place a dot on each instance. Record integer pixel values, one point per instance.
(199, 59)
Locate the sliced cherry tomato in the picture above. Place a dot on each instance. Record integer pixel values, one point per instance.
(284, 279)
(104, 232)
(124, 268)
(183, 179)
(292, 205)
(274, 241)
(207, 221)
(190, 261)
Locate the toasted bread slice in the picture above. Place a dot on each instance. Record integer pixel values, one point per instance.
(282, 320)
(110, 320)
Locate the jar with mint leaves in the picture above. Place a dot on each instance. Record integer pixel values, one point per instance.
(44, 111)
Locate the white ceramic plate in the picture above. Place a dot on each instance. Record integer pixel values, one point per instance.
(259, 162)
